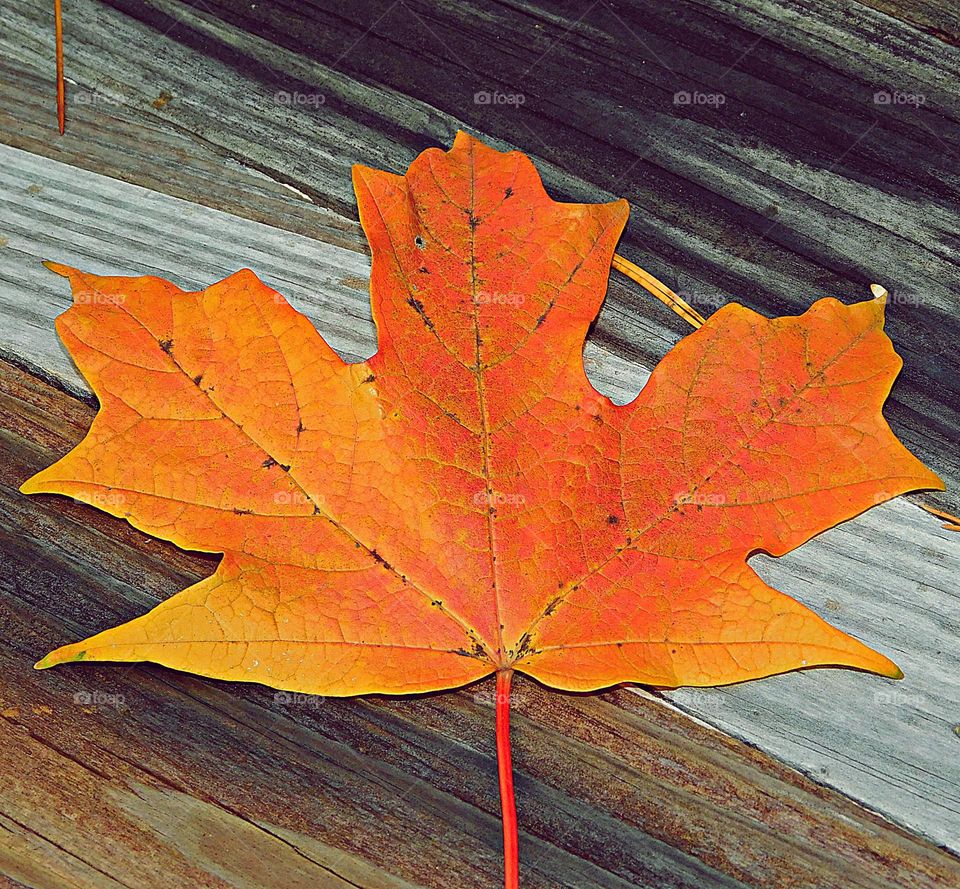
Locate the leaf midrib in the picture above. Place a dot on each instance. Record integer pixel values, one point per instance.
(471, 634)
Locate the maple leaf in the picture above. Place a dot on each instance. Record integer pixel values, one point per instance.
(465, 502)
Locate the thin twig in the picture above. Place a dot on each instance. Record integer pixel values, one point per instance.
(951, 522)
(659, 290)
(61, 86)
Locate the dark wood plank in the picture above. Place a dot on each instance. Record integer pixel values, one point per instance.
(887, 577)
(798, 185)
(115, 775)
(940, 20)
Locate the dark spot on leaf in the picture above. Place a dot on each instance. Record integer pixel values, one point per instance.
(419, 242)
(523, 647)
(378, 558)
(242, 511)
(370, 379)
(546, 312)
(198, 378)
(299, 427)
(508, 192)
(269, 462)
(166, 345)
(475, 652)
(417, 306)
(612, 520)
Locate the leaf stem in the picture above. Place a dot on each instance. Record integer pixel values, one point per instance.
(508, 807)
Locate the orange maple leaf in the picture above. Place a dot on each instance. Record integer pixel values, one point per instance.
(465, 502)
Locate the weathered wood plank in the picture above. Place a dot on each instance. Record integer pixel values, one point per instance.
(799, 185)
(885, 577)
(941, 20)
(102, 225)
(219, 784)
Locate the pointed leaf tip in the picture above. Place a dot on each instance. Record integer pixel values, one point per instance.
(66, 654)
(33, 486)
(885, 667)
(59, 268)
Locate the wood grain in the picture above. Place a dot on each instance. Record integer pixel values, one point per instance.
(799, 185)
(115, 775)
(886, 577)
(241, 123)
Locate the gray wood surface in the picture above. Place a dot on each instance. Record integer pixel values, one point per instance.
(888, 577)
(799, 185)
